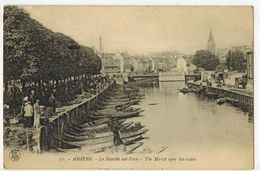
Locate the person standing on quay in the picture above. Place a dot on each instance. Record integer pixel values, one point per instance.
(32, 97)
(52, 102)
(28, 114)
(37, 114)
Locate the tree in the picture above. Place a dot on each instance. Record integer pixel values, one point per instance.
(16, 43)
(236, 60)
(205, 59)
(33, 52)
(222, 66)
(90, 61)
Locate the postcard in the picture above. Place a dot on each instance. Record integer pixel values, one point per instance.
(128, 87)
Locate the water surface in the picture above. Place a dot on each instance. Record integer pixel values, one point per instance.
(191, 125)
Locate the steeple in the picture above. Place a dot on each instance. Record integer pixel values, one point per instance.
(211, 42)
(100, 46)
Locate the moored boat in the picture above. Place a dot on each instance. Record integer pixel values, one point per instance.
(123, 148)
(221, 101)
(87, 140)
(86, 127)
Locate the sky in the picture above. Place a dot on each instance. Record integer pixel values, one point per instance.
(144, 29)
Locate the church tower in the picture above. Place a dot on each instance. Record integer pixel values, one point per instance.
(211, 43)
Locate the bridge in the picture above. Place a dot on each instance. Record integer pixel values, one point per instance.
(189, 76)
(143, 76)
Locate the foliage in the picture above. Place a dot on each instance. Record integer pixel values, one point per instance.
(33, 52)
(222, 66)
(90, 61)
(236, 60)
(205, 59)
(16, 43)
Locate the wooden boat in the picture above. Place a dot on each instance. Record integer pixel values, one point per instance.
(122, 115)
(98, 106)
(212, 95)
(92, 117)
(189, 90)
(117, 102)
(102, 148)
(56, 143)
(126, 125)
(87, 140)
(131, 140)
(132, 134)
(74, 133)
(115, 99)
(95, 113)
(85, 127)
(233, 101)
(75, 129)
(103, 142)
(134, 147)
(113, 111)
(122, 97)
(108, 142)
(69, 137)
(127, 115)
(132, 128)
(107, 127)
(96, 122)
(89, 133)
(119, 106)
(132, 101)
(95, 134)
(221, 101)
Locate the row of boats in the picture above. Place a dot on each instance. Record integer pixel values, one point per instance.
(108, 128)
(220, 99)
(185, 90)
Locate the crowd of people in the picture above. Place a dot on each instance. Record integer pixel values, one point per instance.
(26, 100)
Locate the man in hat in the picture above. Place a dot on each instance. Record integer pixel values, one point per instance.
(28, 114)
(25, 99)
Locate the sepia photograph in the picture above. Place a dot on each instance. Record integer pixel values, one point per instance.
(128, 87)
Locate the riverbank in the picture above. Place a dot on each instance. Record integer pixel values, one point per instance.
(241, 99)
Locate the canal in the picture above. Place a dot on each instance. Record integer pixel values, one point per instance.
(193, 126)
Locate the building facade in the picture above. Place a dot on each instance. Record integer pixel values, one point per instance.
(110, 63)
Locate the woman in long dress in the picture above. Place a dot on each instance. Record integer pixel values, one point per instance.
(37, 114)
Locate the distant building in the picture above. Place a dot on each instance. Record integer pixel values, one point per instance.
(211, 43)
(144, 64)
(119, 57)
(111, 63)
(133, 64)
(163, 63)
(127, 62)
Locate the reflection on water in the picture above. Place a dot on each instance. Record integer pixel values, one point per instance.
(188, 122)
